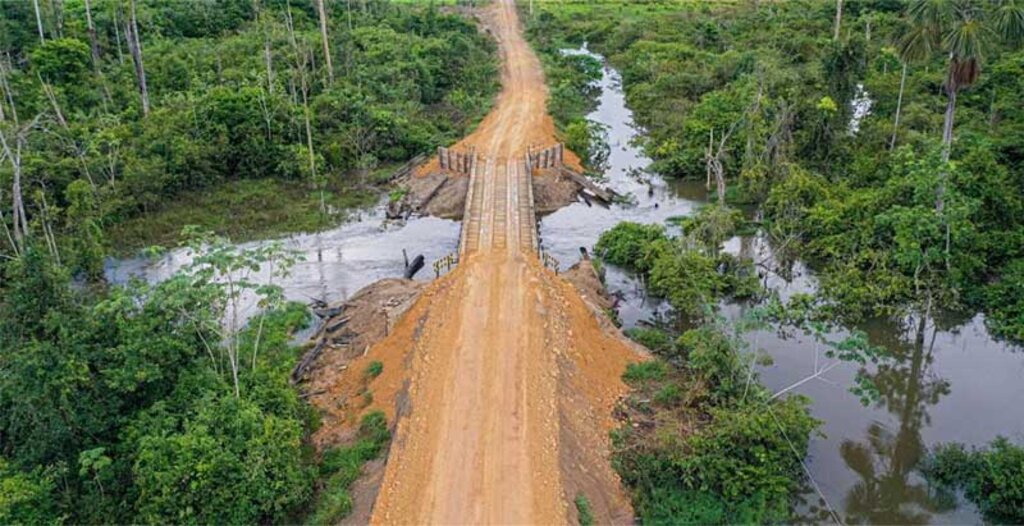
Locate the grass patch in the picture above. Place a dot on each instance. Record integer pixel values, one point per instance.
(586, 516)
(341, 466)
(644, 371)
(373, 370)
(241, 210)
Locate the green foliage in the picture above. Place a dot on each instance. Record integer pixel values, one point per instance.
(772, 89)
(341, 466)
(714, 448)
(631, 245)
(126, 395)
(27, 497)
(654, 339)
(644, 371)
(992, 478)
(586, 516)
(1005, 301)
(373, 370)
(572, 78)
(217, 459)
(229, 90)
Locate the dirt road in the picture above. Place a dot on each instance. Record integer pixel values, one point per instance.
(501, 378)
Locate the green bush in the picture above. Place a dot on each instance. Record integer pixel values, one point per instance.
(645, 371)
(1005, 302)
(992, 478)
(27, 498)
(373, 370)
(586, 516)
(654, 339)
(341, 466)
(629, 245)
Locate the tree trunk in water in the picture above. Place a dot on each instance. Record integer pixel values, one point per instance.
(135, 47)
(899, 106)
(839, 19)
(323, 35)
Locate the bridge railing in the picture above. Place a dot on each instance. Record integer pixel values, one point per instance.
(445, 263)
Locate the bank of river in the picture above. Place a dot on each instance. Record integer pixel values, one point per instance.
(960, 385)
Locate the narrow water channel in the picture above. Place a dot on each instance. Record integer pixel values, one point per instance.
(960, 385)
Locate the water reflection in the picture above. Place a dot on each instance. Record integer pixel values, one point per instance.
(890, 491)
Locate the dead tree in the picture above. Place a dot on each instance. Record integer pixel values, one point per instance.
(713, 162)
(13, 155)
(135, 48)
(839, 19)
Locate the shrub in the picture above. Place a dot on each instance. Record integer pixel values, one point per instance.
(992, 478)
(586, 516)
(628, 245)
(374, 369)
(341, 466)
(645, 371)
(656, 340)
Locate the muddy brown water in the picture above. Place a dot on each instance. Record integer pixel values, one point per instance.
(959, 385)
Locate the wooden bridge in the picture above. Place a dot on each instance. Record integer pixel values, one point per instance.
(499, 213)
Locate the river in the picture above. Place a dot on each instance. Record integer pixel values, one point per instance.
(960, 385)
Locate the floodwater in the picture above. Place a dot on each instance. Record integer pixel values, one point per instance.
(959, 385)
(335, 263)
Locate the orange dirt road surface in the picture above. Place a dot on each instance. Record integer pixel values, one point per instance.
(501, 377)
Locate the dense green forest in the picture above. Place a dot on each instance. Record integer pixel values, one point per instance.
(123, 121)
(900, 212)
(880, 142)
(242, 124)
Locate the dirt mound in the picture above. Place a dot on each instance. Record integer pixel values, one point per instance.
(436, 194)
(335, 382)
(552, 191)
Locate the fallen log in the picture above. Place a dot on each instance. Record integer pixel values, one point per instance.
(431, 194)
(327, 312)
(603, 194)
(307, 360)
(414, 267)
(337, 325)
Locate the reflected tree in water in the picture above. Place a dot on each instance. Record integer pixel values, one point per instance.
(889, 491)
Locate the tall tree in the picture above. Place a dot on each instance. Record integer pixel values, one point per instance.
(839, 20)
(39, 21)
(135, 47)
(323, 35)
(93, 42)
(899, 106)
(960, 30)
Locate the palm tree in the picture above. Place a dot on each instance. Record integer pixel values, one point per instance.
(962, 30)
